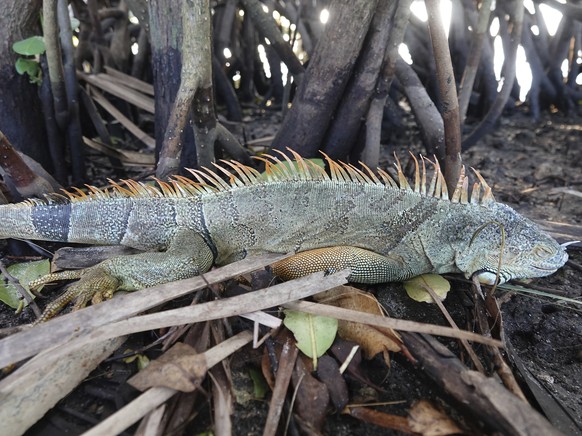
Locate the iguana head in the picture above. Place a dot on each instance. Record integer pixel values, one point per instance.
(527, 250)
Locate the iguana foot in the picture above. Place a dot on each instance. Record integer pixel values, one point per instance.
(95, 285)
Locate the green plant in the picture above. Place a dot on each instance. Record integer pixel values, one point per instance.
(31, 47)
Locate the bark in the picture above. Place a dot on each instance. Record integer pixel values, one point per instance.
(195, 96)
(224, 25)
(20, 114)
(120, 45)
(269, 29)
(54, 137)
(477, 40)
(458, 39)
(276, 82)
(421, 51)
(487, 79)
(166, 39)
(189, 81)
(54, 61)
(225, 90)
(486, 125)
(200, 49)
(568, 9)
(73, 128)
(139, 8)
(540, 82)
(84, 50)
(355, 102)
(427, 116)
(483, 397)
(371, 153)
(249, 42)
(138, 67)
(558, 51)
(483, 92)
(325, 79)
(448, 96)
(575, 48)
(294, 15)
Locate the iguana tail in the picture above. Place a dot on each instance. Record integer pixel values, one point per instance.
(52, 221)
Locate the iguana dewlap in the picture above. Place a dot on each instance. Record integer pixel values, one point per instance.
(384, 230)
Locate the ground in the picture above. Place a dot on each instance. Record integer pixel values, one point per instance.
(528, 164)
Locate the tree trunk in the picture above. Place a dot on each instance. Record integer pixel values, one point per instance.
(355, 102)
(326, 77)
(166, 41)
(21, 118)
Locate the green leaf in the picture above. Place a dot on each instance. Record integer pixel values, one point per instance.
(314, 334)
(25, 273)
(30, 67)
(260, 386)
(142, 361)
(416, 287)
(27, 66)
(30, 46)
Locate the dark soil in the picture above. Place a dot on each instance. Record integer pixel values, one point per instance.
(526, 163)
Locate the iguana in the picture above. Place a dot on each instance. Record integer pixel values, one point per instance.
(381, 227)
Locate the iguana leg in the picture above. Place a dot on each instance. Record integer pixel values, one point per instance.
(366, 266)
(188, 255)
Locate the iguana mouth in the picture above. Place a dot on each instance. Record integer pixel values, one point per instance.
(545, 269)
(539, 268)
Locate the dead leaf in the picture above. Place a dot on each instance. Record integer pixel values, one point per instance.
(312, 396)
(179, 368)
(329, 373)
(341, 349)
(372, 339)
(271, 355)
(426, 419)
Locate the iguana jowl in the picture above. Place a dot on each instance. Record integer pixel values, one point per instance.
(384, 230)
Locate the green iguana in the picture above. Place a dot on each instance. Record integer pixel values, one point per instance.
(381, 228)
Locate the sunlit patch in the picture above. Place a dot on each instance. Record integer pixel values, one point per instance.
(552, 17)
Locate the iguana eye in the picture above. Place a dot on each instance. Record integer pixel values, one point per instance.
(542, 251)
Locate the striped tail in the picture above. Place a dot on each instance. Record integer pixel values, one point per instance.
(27, 220)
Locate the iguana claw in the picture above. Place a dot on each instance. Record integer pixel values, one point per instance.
(95, 285)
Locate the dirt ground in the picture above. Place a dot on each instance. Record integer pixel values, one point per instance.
(528, 165)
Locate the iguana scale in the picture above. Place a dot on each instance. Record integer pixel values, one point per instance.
(381, 227)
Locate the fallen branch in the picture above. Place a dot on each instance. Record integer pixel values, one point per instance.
(484, 397)
(396, 324)
(67, 327)
(103, 82)
(35, 388)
